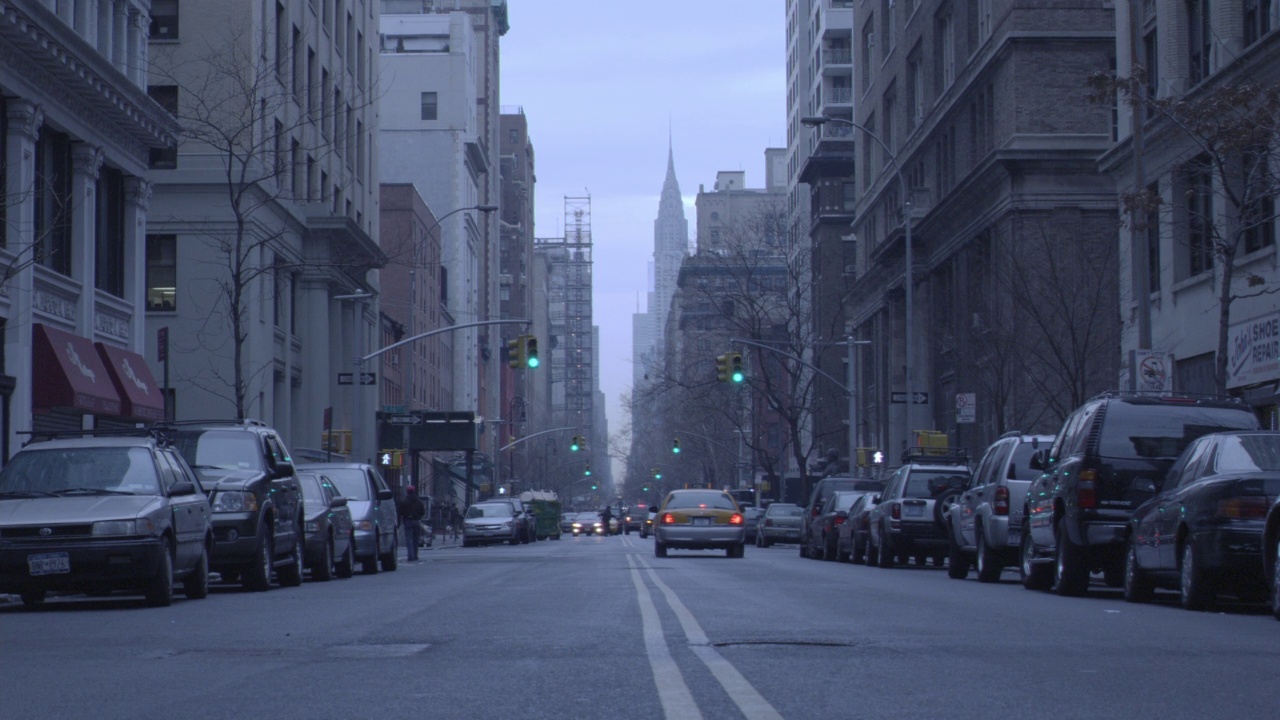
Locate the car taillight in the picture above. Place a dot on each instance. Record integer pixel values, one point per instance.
(735, 519)
(1087, 489)
(1245, 507)
(839, 520)
(895, 512)
(668, 519)
(1002, 500)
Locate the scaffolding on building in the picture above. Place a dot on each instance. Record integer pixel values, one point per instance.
(569, 312)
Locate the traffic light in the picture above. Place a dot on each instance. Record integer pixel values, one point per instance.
(722, 367)
(391, 458)
(735, 367)
(587, 471)
(675, 446)
(515, 352)
(530, 351)
(576, 443)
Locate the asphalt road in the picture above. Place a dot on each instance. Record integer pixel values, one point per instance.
(597, 628)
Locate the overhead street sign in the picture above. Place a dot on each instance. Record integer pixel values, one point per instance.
(346, 378)
(404, 419)
(918, 398)
(366, 378)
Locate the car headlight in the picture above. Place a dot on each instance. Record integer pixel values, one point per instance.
(142, 526)
(235, 501)
(577, 526)
(312, 526)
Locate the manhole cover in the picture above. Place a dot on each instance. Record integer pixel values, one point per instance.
(377, 651)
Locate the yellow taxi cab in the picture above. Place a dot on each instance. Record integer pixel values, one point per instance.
(699, 520)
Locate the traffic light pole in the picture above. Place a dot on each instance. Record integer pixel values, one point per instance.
(512, 444)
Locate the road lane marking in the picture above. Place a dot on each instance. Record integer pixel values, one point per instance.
(673, 693)
(741, 691)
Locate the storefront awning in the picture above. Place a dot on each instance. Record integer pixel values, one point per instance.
(139, 395)
(68, 374)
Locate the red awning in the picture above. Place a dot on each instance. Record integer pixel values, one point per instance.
(139, 394)
(68, 373)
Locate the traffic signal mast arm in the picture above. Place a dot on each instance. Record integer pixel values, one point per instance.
(437, 331)
(513, 443)
(789, 356)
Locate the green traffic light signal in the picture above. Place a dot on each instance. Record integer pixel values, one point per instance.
(735, 367)
(675, 446)
(531, 351)
(576, 443)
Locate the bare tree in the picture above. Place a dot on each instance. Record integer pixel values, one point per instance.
(239, 114)
(1227, 179)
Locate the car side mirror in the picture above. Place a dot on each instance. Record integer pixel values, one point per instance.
(386, 495)
(338, 502)
(283, 468)
(876, 500)
(184, 487)
(1039, 460)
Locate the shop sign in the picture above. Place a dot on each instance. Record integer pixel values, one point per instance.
(1253, 351)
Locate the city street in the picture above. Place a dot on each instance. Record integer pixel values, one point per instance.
(600, 628)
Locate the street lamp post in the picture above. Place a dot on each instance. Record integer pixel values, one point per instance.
(908, 272)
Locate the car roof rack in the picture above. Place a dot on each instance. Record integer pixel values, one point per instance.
(214, 421)
(940, 456)
(45, 435)
(1170, 395)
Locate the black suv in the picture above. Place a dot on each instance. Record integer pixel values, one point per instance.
(1110, 456)
(257, 503)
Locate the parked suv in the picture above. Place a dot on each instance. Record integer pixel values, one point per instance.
(373, 511)
(822, 492)
(94, 513)
(1110, 456)
(985, 525)
(257, 503)
(909, 519)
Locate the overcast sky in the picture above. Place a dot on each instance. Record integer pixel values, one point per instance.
(600, 83)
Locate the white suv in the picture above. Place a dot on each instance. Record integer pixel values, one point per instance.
(908, 521)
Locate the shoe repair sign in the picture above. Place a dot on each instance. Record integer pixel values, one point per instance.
(1253, 351)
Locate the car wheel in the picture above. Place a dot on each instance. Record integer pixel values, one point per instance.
(858, 555)
(467, 543)
(884, 552)
(1194, 586)
(1034, 576)
(841, 555)
(196, 584)
(32, 598)
(389, 560)
(659, 550)
(766, 543)
(369, 565)
(920, 561)
(346, 567)
(828, 549)
(942, 506)
(256, 576)
(988, 566)
(323, 570)
(291, 575)
(957, 561)
(159, 589)
(740, 551)
(804, 548)
(1137, 588)
(1070, 577)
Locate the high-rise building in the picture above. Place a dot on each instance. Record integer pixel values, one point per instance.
(670, 248)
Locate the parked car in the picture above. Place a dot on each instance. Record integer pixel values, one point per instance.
(330, 541)
(908, 520)
(821, 493)
(853, 537)
(1104, 463)
(528, 522)
(823, 539)
(491, 521)
(1202, 533)
(984, 526)
(781, 523)
(588, 523)
(373, 510)
(100, 514)
(699, 520)
(751, 520)
(249, 476)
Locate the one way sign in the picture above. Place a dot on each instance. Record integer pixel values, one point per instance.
(918, 398)
(366, 378)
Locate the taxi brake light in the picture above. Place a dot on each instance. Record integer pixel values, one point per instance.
(735, 519)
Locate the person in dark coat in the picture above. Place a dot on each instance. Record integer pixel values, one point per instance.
(411, 509)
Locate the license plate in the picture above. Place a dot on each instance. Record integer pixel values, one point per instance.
(913, 510)
(49, 563)
(702, 521)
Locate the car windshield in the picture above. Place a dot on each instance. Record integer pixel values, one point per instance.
(1020, 466)
(352, 483)
(220, 449)
(588, 517)
(932, 483)
(782, 510)
(844, 500)
(713, 500)
(489, 510)
(65, 471)
(1164, 431)
(1248, 453)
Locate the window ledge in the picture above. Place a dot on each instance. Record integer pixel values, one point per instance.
(1191, 282)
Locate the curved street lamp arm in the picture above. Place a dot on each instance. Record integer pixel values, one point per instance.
(437, 331)
(530, 437)
(704, 437)
(789, 356)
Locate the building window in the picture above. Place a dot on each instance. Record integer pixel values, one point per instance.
(848, 196)
(109, 235)
(1199, 39)
(162, 272)
(915, 89)
(164, 20)
(868, 46)
(1257, 20)
(1153, 239)
(1258, 224)
(53, 201)
(167, 97)
(280, 290)
(429, 106)
(984, 19)
(282, 41)
(945, 70)
(1199, 210)
(886, 27)
(890, 140)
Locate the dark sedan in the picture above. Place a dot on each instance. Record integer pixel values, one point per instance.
(854, 534)
(1202, 533)
(329, 533)
(834, 513)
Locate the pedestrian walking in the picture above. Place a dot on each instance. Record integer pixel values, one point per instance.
(411, 509)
